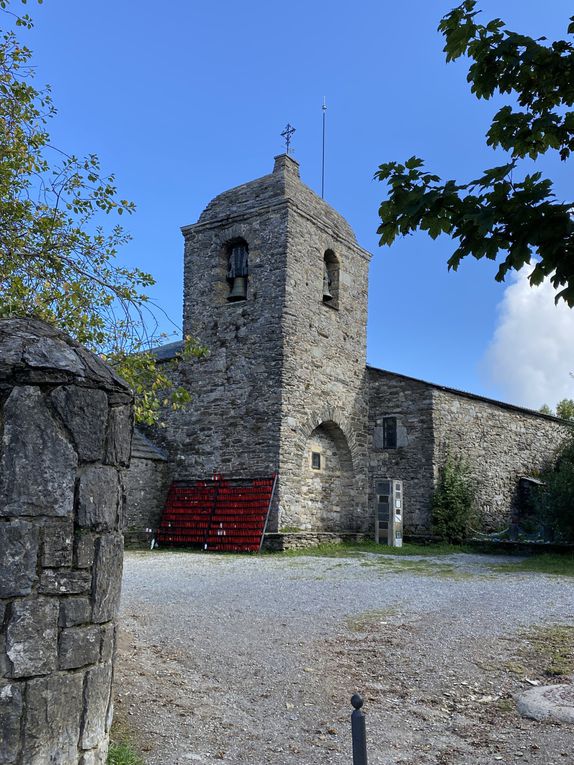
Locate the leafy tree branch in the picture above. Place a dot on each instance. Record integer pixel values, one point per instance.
(499, 216)
(58, 256)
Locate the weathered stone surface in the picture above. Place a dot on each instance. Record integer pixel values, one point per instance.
(74, 611)
(10, 715)
(62, 581)
(57, 545)
(98, 498)
(48, 641)
(97, 756)
(18, 554)
(52, 727)
(85, 548)
(97, 699)
(107, 578)
(85, 413)
(53, 354)
(79, 646)
(4, 664)
(548, 702)
(146, 485)
(119, 438)
(32, 636)
(499, 442)
(37, 464)
(108, 642)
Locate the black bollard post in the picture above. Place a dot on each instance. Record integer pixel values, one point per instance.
(358, 731)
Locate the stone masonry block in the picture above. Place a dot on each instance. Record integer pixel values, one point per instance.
(85, 413)
(37, 464)
(32, 636)
(98, 692)
(107, 578)
(85, 548)
(52, 727)
(108, 642)
(79, 646)
(74, 611)
(18, 553)
(10, 715)
(53, 354)
(119, 438)
(98, 498)
(62, 581)
(4, 663)
(57, 547)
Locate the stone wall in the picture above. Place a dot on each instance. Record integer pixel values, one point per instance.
(499, 442)
(410, 401)
(146, 485)
(66, 425)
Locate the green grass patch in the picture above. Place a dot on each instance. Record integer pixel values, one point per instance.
(355, 549)
(554, 648)
(420, 567)
(559, 564)
(123, 754)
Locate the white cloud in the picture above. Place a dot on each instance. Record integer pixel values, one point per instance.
(531, 354)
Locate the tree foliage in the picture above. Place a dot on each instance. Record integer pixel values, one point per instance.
(58, 260)
(503, 215)
(564, 409)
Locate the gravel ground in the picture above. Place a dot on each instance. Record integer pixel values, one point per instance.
(247, 659)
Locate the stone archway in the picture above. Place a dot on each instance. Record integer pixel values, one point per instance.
(327, 480)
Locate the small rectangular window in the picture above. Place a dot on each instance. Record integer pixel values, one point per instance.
(389, 432)
(316, 460)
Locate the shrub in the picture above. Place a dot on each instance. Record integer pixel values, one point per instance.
(453, 501)
(555, 500)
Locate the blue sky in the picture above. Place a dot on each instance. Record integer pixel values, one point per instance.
(183, 100)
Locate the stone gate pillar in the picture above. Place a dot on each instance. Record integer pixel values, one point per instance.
(65, 434)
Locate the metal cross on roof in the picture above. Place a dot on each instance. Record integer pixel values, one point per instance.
(286, 134)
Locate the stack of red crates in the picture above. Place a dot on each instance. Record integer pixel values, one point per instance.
(219, 514)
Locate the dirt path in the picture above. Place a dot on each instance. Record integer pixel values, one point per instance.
(253, 660)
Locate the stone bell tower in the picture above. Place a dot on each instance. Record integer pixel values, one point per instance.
(276, 287)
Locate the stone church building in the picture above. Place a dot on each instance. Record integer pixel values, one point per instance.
(275, 285)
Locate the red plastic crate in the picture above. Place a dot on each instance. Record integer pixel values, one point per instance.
(218, 514)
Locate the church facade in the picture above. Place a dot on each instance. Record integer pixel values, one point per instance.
(275, 286)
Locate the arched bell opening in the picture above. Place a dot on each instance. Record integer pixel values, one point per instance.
(236, 263)
(330, 279)
(326, 498)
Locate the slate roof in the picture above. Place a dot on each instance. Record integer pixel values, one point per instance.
(475, 396)
(167, 352)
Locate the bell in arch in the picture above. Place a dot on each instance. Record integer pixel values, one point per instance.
(239, 289)
(238, 271)
(326, 285)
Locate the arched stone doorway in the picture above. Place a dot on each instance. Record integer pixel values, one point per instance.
(326, 501)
